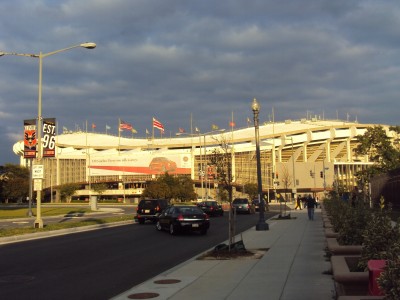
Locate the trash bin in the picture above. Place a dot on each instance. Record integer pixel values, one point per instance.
(375, 268)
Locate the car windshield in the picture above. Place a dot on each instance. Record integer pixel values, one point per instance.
(240, 201)
(148, 204)
(210, 203)
(190, 210)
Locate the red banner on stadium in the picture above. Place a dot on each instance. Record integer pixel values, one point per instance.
(49, 137)
(30, 138)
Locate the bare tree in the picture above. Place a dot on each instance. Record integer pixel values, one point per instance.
(287, 182)
(286, 179)
(222, 159)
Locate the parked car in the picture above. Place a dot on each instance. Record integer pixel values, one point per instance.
(256, 204)
(242, 205)
(150, 209)
(162, 164)
(179, 218)
(211, 208)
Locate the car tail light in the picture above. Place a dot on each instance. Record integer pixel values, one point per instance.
(180, 218)
(157, 208)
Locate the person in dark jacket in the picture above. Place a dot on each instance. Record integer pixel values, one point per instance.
(310, 202)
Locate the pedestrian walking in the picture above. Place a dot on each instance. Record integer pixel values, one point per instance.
(310, 202)
(298, 203)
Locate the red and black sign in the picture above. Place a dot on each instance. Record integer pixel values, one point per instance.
(49, 137)
(30, 138)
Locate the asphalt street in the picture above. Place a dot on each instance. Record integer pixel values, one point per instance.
(102, 263)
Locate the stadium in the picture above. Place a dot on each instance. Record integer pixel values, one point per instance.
(297, 157)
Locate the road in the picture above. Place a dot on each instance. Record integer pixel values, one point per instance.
(102, 263)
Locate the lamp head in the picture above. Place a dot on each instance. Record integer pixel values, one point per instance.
(255, 106)
(88, 45)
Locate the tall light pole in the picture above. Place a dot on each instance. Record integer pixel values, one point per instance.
(261, 225)
(294, 172)
(202, 171)
(39, 222)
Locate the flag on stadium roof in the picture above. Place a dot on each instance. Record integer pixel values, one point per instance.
(157, 124)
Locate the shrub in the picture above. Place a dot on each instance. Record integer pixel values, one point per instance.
(354, 221)
(379, 237)
(389, 280)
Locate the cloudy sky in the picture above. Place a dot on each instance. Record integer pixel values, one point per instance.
(178, 60)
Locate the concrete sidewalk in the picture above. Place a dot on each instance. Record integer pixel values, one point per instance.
(292, 269)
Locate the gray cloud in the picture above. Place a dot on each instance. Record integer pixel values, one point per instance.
(176, 59)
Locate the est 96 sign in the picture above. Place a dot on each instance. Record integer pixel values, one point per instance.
(49, 137)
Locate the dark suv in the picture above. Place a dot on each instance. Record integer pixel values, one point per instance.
(211, 208)
(150, 209)
(242, 205)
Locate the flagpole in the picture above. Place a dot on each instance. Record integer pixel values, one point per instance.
(119, 134)
(152, 135)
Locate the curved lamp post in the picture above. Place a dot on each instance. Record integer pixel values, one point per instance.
(39, 221)
(261, 225)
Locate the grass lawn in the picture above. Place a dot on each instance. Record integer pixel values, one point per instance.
(17, 212)
(49, 227)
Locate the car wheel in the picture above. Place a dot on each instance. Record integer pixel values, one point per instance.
(158, 226)
(172, 229)
(141, 221)
(203, 232)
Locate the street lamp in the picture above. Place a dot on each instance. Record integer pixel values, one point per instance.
(261, 225)
(40, 56)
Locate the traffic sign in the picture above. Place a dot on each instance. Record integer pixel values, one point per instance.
(37, 171)
(37, 185)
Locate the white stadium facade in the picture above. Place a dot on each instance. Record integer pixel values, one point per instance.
(297, 157)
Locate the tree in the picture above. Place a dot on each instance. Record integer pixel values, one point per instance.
(157, 190)
(185, 191)
(251, 189)
(99, 188)
(378, 146)
(222, 159)
(170, 187)
(286, 179)
(14, 182)
(67, 190)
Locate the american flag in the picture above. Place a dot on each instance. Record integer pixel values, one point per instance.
(157, 124)
(124, 125)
